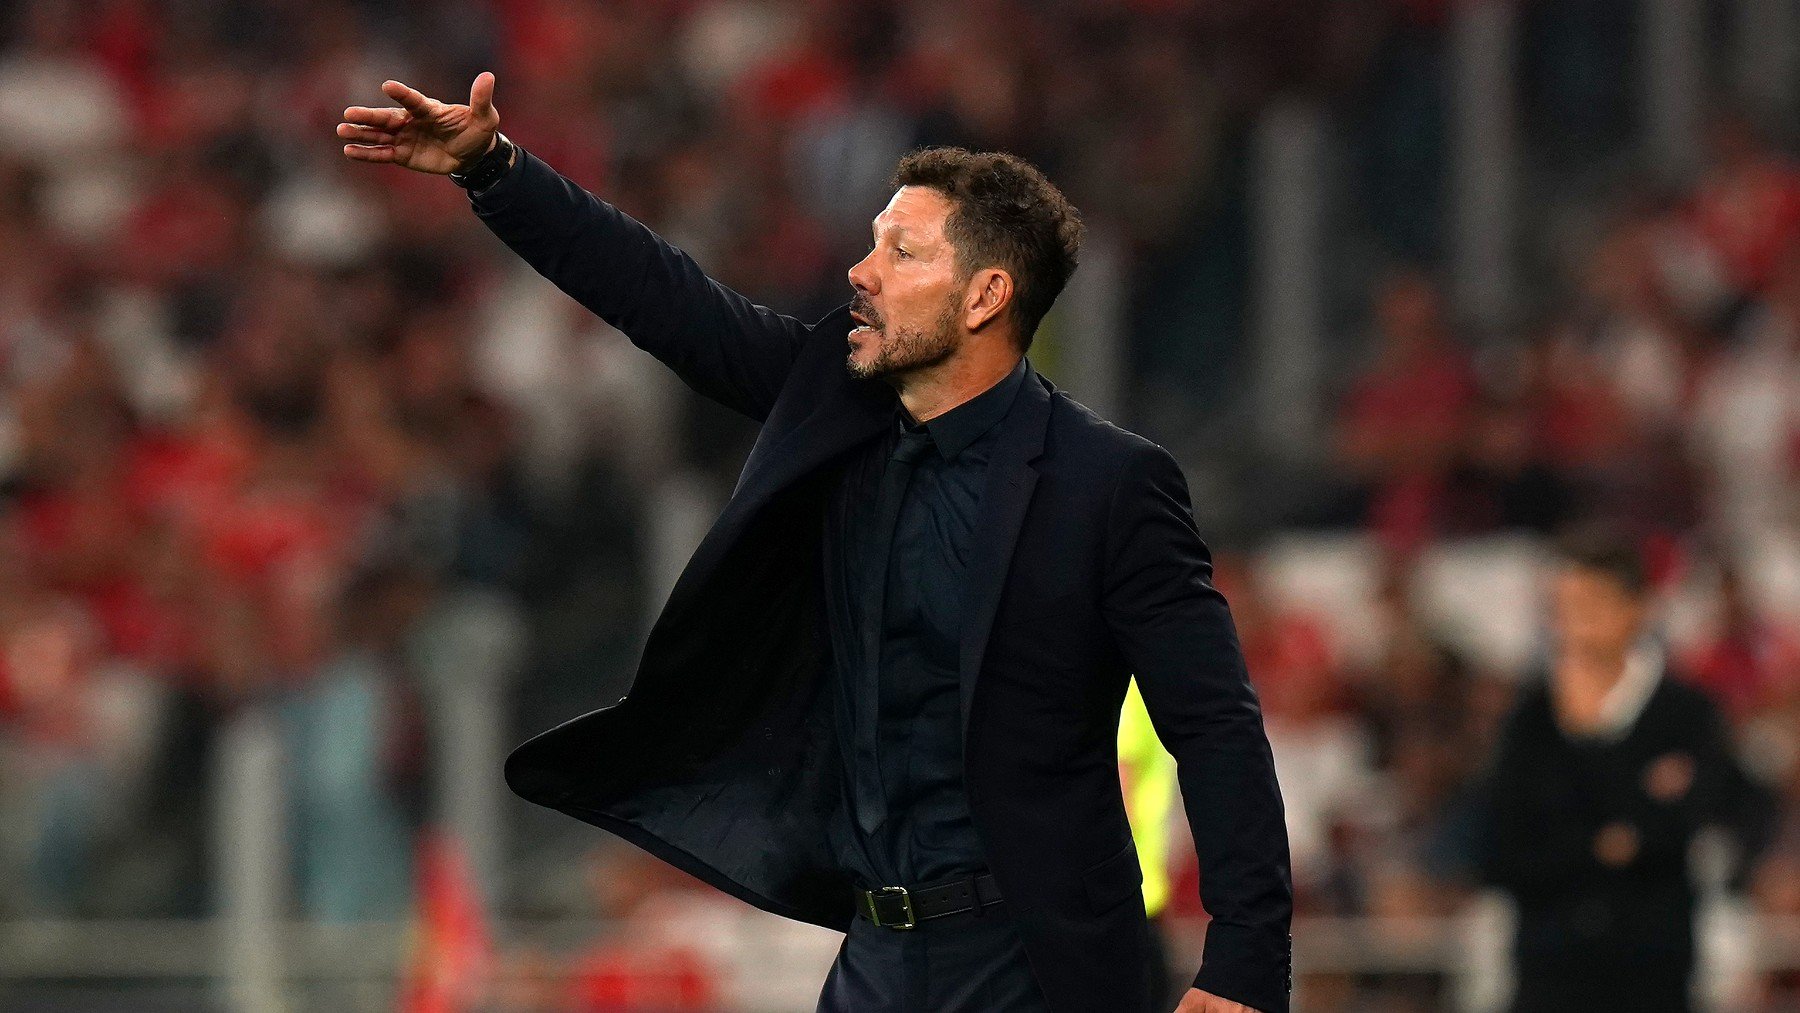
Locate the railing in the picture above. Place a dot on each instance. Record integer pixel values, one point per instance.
(765, 964)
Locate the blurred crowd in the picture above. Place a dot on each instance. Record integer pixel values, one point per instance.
(278, 430)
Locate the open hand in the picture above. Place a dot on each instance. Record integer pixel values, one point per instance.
(423, 134)
(1196, 1001)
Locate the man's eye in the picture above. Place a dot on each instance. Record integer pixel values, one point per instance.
(903, 253)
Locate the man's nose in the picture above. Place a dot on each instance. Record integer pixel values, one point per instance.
(862, 275)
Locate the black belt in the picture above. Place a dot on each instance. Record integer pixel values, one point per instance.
(896, 907)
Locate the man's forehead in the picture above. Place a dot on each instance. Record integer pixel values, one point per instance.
(915, 209)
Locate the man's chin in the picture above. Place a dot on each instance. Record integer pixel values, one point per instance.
(863, 370)
(864, 361)
(878, 354)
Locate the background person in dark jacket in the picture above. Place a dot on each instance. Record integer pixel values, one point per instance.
(1603, 774)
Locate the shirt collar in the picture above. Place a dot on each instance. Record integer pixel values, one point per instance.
(1624, 703)
(955, 430)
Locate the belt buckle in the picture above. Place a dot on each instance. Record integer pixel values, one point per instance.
(911, 921)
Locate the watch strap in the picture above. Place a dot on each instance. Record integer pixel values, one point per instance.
(488, 169)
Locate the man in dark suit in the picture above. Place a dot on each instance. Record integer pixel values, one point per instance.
(884, 695)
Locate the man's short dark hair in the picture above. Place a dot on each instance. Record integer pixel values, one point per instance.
(1003, 213)
(1608, 552)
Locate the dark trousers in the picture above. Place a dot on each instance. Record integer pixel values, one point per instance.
(963, 963)
(1562, 987)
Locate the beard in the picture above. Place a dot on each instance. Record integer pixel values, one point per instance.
(903, 350)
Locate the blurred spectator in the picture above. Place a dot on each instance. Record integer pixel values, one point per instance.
(656, 956)
(1543, 422)
(353, 738)
(1405, 418)
(54, 775)
(1420, 705)
(1646, 345)
(1604, 772)
(1321, 751)
(1749, 662)
(1743, 214)
(56, 98)
(1747, 419)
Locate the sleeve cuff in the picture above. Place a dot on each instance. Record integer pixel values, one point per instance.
(500, 193)
(1252, 965)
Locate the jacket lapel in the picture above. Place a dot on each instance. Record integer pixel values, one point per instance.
(1005, 496)
(846, 413)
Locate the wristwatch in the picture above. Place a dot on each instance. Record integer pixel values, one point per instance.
(488, 169)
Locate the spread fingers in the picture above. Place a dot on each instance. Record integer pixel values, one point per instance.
(381, 119)
(414, 100)
(369, 152)
(367, 135)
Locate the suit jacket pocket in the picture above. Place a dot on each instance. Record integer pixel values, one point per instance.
(1114, 881)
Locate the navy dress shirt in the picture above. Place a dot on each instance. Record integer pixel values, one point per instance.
(927, 835)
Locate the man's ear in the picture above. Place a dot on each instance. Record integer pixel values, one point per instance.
(989, 293)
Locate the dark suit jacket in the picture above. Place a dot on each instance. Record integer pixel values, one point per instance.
(723, 761)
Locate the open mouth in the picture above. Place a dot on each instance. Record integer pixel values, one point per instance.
(863, 323)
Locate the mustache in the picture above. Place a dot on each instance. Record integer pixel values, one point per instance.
(859, 305)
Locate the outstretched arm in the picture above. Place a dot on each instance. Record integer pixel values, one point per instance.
(720, 343)
(1174, 630)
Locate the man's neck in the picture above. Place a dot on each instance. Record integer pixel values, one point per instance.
(1599, 671)
(932, 392)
